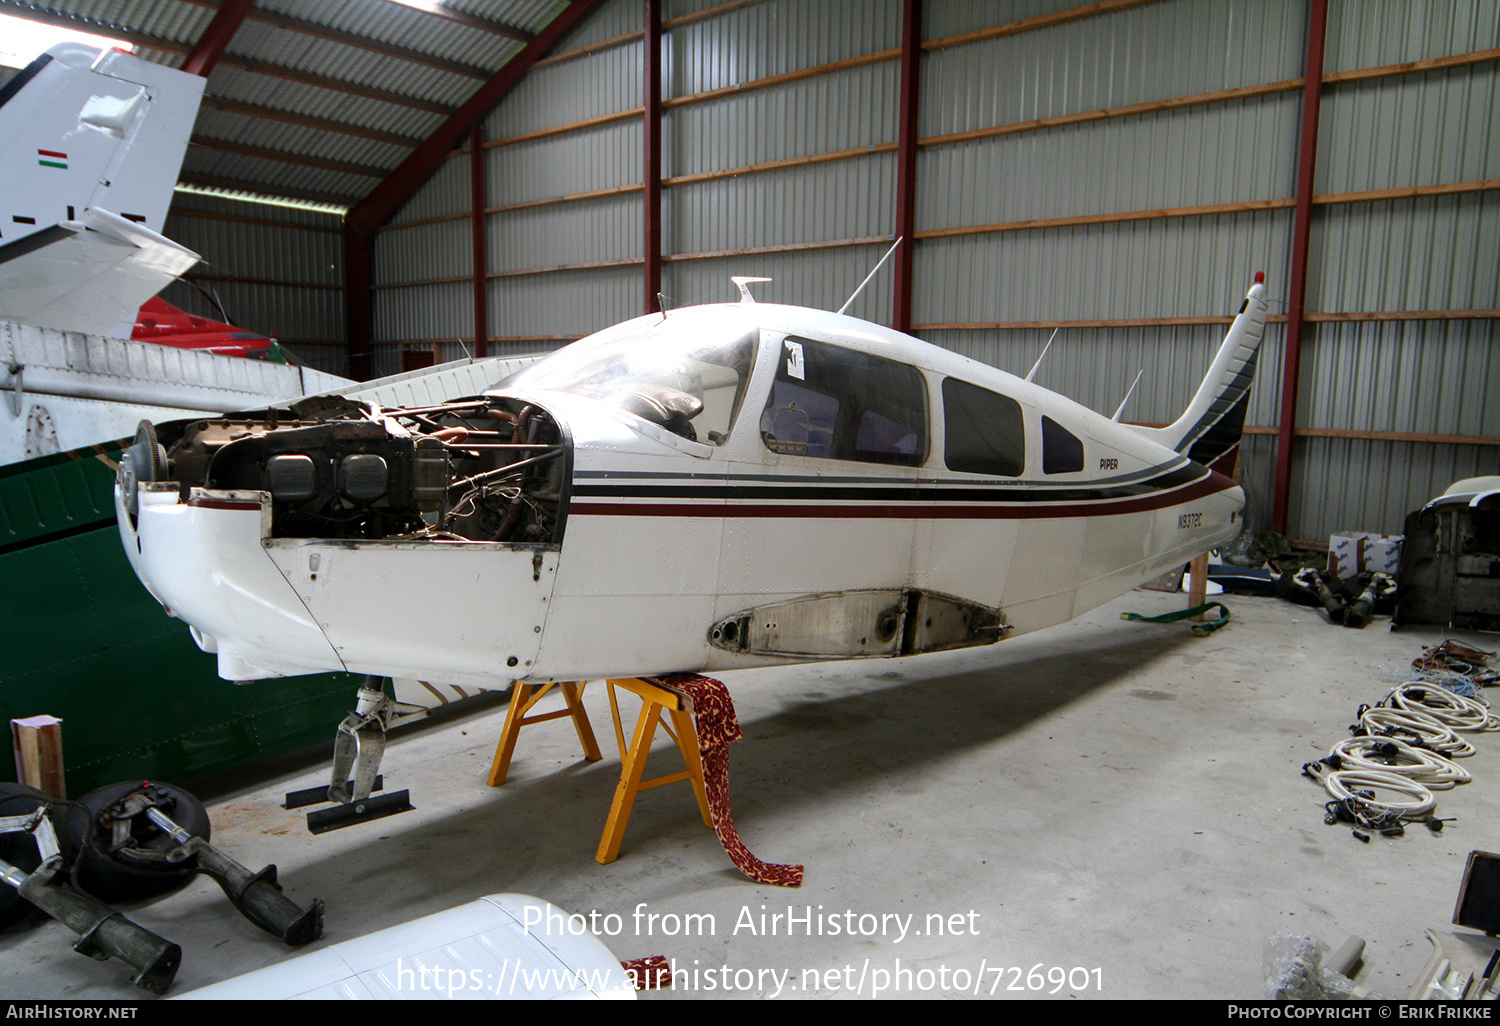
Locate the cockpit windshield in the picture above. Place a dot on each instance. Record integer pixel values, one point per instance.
(686, 372)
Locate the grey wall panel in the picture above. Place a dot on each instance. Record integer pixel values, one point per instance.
(843, 110)
(775, 37)
(821, 279)
(571, 303)
(1425, 377)
(950, 17)
(819, 202)
(278, 311)
(1238, 151)
(1371, 35)
(1154, 52)
(569, 233)
(1433, 253)
(446, 192)
(420, 253)
(1178, 267)
(441, 311)
(250, 250)
(561, 165)
(1344, 484)
(1426, 129)
(611, 20)
(558, 94)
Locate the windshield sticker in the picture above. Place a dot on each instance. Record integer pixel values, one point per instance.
(794, 368)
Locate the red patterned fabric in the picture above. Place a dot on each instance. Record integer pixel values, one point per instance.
(717, 725)
(648, 973)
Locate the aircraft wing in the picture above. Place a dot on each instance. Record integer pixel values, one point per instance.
(78, 275)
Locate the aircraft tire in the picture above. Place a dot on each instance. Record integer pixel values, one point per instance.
(119, 876)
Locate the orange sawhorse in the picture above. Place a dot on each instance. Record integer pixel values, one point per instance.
(521, 700)
(655, 700)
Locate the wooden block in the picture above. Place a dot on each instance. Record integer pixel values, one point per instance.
(1198, 590)
(37, 743)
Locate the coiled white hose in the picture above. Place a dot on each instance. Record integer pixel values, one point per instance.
(1418, 799)
(1433, 732)
(1450, 708)
(1427, 768)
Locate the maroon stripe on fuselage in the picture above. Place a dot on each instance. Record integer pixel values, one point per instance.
(1211, 485)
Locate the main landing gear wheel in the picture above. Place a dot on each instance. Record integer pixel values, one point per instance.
(119, 854)
(18, 849)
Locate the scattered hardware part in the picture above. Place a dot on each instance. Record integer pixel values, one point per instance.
(17, 848)
(119, 855)
(1352, 602)
(137, 840)
(103, 932)
(257, 896)
(1299, 969)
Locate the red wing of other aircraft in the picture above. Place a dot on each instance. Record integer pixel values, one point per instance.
(160, 322)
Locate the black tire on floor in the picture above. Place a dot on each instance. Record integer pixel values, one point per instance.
(118, 876)
(18, 849)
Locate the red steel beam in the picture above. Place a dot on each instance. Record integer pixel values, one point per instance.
(651, 192)
(906, 162)
(216, 37)
(1307, 163)
(377, 207)
(481, 250)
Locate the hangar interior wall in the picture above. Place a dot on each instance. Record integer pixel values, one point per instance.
(1116, 173)
(274, 270)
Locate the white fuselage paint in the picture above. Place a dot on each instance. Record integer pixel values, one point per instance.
(664, 537)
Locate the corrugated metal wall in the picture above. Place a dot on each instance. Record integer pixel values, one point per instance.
(817, 226)
(275, 270)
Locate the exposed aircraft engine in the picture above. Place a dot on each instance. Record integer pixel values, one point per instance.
(482, 469)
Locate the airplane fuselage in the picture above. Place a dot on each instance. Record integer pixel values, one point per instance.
(802, 486)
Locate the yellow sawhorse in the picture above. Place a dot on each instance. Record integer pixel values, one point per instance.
(521, 700)
(655, 700)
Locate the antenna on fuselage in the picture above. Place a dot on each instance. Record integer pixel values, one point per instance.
(1128, 394)
(661, 303)
(743, 284)
(877, 267)
(1032, 373)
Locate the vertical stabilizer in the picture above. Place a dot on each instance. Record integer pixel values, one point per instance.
(1209, 429)
(90, 138)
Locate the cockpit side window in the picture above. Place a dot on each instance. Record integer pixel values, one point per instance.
(1062, 451)
(984, 431)
(836, 403)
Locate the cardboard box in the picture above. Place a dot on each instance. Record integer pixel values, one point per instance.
(1353, 553)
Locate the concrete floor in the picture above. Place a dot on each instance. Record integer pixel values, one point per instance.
(1116, 797)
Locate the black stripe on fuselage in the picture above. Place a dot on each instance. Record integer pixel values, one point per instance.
(883, 490)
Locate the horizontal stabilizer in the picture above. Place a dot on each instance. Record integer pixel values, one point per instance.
(79, 275)
(1209, 430)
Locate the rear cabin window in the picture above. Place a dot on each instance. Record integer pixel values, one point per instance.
(983, 431)
(839, 404)
(1062, 451)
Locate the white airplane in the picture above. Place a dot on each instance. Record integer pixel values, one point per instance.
(91, 141)
(711, 488)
